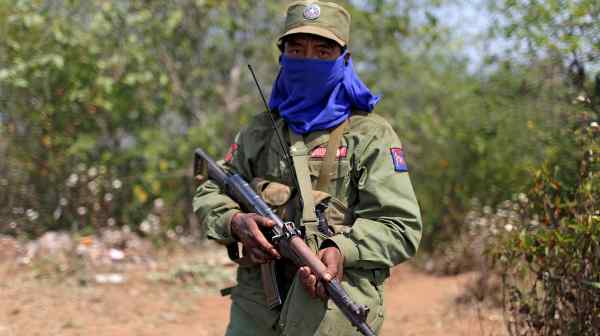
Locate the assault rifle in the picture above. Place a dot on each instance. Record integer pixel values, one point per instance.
(284, 236)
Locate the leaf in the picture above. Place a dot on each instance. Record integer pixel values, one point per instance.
(82, 145)
(174, 20)
(140, 194)
(595, 285)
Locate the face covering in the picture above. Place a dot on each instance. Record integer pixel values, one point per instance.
(313, 95)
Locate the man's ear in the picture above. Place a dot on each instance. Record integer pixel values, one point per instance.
(282, 44)
(347, 57)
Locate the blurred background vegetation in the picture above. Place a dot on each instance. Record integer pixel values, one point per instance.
(102, 103)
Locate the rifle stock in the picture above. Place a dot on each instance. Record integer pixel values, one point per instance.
(285, 237)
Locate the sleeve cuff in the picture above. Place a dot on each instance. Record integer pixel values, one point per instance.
(224, 234)
(347, 247)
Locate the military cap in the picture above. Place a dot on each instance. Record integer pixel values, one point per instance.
(325, 19)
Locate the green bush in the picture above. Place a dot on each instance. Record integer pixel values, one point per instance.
(102, 103)
(551, 265)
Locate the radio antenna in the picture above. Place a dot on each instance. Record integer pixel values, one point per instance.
(279, 137)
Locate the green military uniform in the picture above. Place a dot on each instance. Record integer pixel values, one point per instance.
(372, 208)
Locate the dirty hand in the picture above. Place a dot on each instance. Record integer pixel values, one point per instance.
(246, 228)
(334, 260)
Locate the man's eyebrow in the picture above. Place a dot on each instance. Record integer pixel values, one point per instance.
(293, 43)
(326, 44)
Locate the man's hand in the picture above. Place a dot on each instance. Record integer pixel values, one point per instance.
(246, 228)
(334, 260)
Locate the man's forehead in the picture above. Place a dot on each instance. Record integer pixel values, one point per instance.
(303, 38)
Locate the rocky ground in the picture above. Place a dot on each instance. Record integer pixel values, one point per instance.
(124, 286)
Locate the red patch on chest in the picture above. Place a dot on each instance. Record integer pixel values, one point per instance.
(232, 150)
(321, 152)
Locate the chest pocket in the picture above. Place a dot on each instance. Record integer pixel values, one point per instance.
(338, 185)
(273, 165)
(337, 213)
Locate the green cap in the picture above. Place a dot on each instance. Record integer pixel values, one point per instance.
(325, 19)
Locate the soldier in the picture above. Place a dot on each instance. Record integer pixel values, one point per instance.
(350, 170)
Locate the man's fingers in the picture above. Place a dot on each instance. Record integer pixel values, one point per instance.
(332, 270)
(321, 291)
(313, 286)
(259, 237)
(256, 255)
(304, 273)
(265, 246)
(308, 280)
(246, 228)
(264, 221)
(333, 259)
(327, 276)
(259, 253)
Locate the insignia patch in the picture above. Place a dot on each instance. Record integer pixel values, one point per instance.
(312, 12)
(232, 150)
(398, 159)
(321, 152)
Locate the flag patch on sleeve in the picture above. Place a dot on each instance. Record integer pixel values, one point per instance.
(232, 150)
(398, 159)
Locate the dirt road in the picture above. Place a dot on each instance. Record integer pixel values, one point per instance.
(417, 304)
(34, 303)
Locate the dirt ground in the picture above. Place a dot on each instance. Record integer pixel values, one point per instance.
(173, 297)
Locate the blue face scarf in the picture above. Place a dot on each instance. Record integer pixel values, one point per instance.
(313, 95)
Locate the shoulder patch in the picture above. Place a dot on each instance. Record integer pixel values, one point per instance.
(232, 150)
(398, 159)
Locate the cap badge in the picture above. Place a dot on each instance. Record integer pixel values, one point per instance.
(312, 12)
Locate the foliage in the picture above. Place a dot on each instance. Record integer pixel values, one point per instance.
(550, 263)
(551, 267)
(101, 102)
(464, 133)
(565, 31)
(553, 27)
(484, 227)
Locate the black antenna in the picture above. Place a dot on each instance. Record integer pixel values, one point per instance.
(279, 137)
